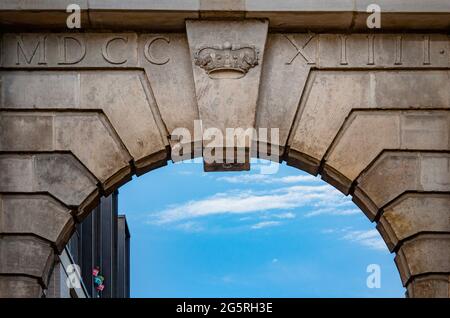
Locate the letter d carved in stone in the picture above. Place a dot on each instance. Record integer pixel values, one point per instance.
(69, 56)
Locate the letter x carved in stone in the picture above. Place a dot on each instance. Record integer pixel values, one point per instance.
(300, 49)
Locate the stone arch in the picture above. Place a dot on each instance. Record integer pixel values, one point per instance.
(377, 130)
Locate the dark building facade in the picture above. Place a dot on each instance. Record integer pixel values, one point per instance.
(100, 243)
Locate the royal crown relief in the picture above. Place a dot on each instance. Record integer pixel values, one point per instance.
(226, 60)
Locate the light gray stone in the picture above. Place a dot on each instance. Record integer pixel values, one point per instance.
(425, 254)
(19, 287)
(37, 214)
(26, 255)
(429, 286)
(365, 134)
(80, 112)
(414, 213)
(394, 173)
(227, 94)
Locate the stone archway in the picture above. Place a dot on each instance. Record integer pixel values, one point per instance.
(82, 112)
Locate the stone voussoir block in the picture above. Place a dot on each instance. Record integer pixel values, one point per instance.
(26, 255)
(396, 172)
(39, 215)
(19, 287)
(424, 254)
(365, 134)
(414, 213)
(59, 174)
(429, 286)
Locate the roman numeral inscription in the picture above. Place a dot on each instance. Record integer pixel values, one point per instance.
(300, 49)
(371, 50)
(139, 50)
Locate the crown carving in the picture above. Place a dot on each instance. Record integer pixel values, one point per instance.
(226, 60)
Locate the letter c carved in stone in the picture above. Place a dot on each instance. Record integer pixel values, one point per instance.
(106, 54)
(149, 56)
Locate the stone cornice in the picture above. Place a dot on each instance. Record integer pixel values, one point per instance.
(170, 15)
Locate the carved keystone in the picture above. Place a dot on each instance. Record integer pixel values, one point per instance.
(226, 61)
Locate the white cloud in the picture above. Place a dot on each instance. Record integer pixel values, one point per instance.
(234, 202)
(185, 173)
(332, 211)
(370, 238)
(245, 178)
(296, 179)
(190, 226)
(287, 215)
(268, 179)
(264, 224)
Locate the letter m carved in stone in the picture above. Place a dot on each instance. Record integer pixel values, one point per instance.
(39, 49)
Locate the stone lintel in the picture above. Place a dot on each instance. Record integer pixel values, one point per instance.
(283, 14)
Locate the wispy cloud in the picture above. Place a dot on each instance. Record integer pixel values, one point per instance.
(185, 172)
(332, 211)
(244, 202)
(262, 225)
(369, 238)
(287, 215)
(268, 179)
(190, 227)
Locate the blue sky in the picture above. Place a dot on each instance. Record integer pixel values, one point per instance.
(245, 234)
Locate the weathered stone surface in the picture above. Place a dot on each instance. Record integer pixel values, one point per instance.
(81, 111)
(19, 132)
(19, 287)
(333, 94)
(424, 254)
(401, 89)
(382, 51)
(222, 9)
(126, 50)
(152, 15)
(36, 214)
(120, 95)
(87, 134)
(168, 68)
(366, 133)
(227, 102)
(226, 78)
(393, 173)
(25, 255)
(278, 98)
(39, 90)
(124, 100)
(283, 14)
(59, 174)
(331, 97)
(69, 50)
(414, 213)
(361, 141)
(64, 177)
(17, 173)
(430, 286)
(81, 133)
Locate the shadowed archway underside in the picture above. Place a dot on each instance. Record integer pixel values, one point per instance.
(80, 113)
